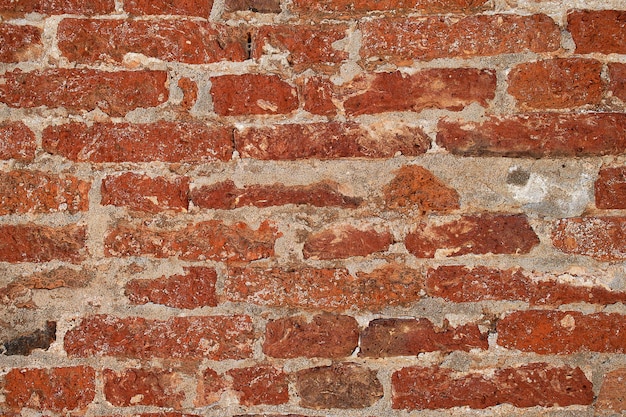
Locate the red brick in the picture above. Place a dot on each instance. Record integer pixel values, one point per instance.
(599, 237)
(362, 7)
(24, 191)
(19, 43)
(191, 42)
(55, 389)
(617, 85)
(537, 135)
(440, 88)
(259, 6)
(250, 94)
(86, 7)
(415, 187)
(317, 95)
(17, 141)
(210, 388)
(324, 289)
(562, 332)
(211, 337)
(461, 285)
(535, 384)
(598, 31)
(32, 243)
(342, 385)
(125, 142)
(226, 195)
(401, 40)
(482, 234)
(144, 193)
(201, 8)
(209, 240)
(115, 93)
(195, 288)
(260, 385)
(410, 337)
(344, 241)
(610, 188)
(327, 141)
(190, 93)
(157, 387)
(557, 83)
(612, 395)
(325, 336)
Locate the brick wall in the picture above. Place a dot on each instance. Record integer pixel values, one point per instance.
(312, 208)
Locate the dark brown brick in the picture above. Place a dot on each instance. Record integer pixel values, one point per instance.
(598, 31)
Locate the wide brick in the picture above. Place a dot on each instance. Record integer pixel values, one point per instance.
(257, 6)
(409, 337)
(598, 31)
(195, 288)
(342, 385)
(344, 241)
(325, 336)
(86, 7)
(260, 385)
(327, 141)
(55, 389)
(612, 397)
(201, 8)
(210, 388)
(226, 195)
(131, 387)
(562, 332)
(211, 337)
(187, 41)
(535, 384)
(610, 188)
(144, 193)
(115, 93)
(24, 191)
(440, 88)
(362, 7)
(19, 43)
(32, 243)
(480, 234)
(617, 77)
(537, 135)
(461, 284)
(324, 289)
(125, 142)
(404, 39)
(557, 83)
(251, 94)
(17, 141)
(599, 237)
(415, 187)
(317, 95)
(209, 240)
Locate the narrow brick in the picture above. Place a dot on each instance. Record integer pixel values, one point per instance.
(19, 43)
(601, 238)
(317, 95)
(210, 388)
(190, 92)
(144, 193)
(260, 385)
(189, 338)
(610, 188)
(344, 241)
(132, 387)
(115, 93)
(363, 7)
(32, 243)
(325, 336)
(612, 397)
(535, 384)
(149, 142)
(85, 7)
(617, 77)
(17, 141)
(200, 8)
(598, 31)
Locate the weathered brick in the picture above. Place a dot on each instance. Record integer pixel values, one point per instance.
(192, 42)
(144, 193)
(251, 94)
(55, 389)
(461, 284)
(210, 388)
(226, 195)
(537, 135)
(612, 397)
(25, 344)
(260, 385)
(19, 43)
(86, 7)
(324, 289)
(599, 237)
(131, 387)
(342, 385)
(410, 337)
(610, 188)
(557, 83)
(617, 77)
(440, 88)
(362, 7)
(24, 191)
(562, 332)
(190, 93)
(535, 384)
(211, 337)
(327, 141)
(598, 31)
(480, 234)
(17, 141)
(32, 243)
(212, 240)
(325, 336)
(317, 95)
(201, 8)
(344, 241)
(260, 6)
(404, 39)
(125, 142)
(115, 93)
(195, 288)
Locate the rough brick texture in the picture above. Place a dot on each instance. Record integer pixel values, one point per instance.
(17, 141)
(19, 43)
(143, 387)
(32, 243)
(140, 192)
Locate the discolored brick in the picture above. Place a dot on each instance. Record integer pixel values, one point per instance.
(17, 141)
(19, 43)
(144, 193)
(200, 8)
(87, 7)
(610, 188)
(132, 387)
(601, 238)
(617, 77)
(257, 6)
(612, 397)
(261, 384)
(363, 7)
(317, 95)
(25, 344)
(344, 241)
(210, 388)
